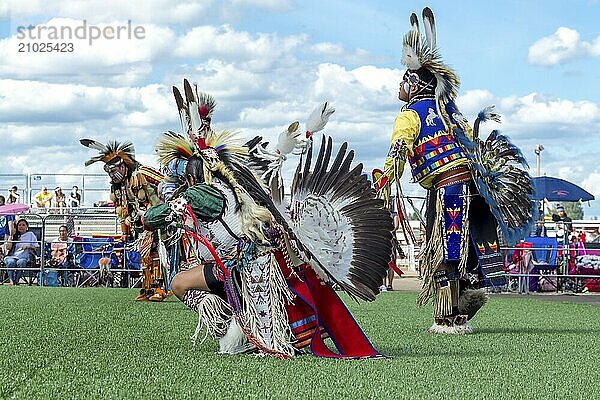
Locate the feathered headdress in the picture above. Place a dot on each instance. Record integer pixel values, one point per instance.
(110, 151)
(418, 53)
(172, 146)
(195, 113)
(222, 153)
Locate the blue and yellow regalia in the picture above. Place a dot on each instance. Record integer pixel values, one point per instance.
(472, 189)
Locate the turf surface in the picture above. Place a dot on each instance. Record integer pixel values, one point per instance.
(98, 343)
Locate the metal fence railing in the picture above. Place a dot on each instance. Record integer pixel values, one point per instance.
(95, 226)
(566, 273)
(93, 188)
(96, 254)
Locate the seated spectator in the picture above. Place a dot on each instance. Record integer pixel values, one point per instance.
(61, 255)
(59, 199)
(42, 198)
(540, 229)
(75, 197)
(13, 196)
(24, 246)
(563, 217)
(7, 230)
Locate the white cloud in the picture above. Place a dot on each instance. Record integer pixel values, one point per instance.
(271, 5)
(364, 88)
(534, 109)
(118, 61)
(275, 113)
(46, 114)
(591, 183)
(35, 102)
(229, 83)
(335, 52)
(473, 101)
(130, 61)
(158, 108)
(160, 12)
(4, 11)
(570, 172)
(256, 52)
(561, 46)
(94, 11)
(329, 49)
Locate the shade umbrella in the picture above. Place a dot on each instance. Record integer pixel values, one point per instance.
(13, 208)
(556, 189)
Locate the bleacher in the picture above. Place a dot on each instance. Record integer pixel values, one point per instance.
(84, 222)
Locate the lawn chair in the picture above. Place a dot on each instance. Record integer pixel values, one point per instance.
(132, 262)
(521, 263)
(88, 259)
(544, 259)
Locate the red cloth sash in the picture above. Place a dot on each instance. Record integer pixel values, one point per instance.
(319, 305)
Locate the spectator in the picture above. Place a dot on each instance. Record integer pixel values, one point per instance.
(7, 230)
(13, 195)
(563, 217)
(61, 251)
(59, 199)
(540, 229)
(43, 198)
(24, 247)
(592, 235)
(75, 197)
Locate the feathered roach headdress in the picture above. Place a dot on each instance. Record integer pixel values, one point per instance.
(222, 153)
(423, 60)
(111, 151)
(195, 113)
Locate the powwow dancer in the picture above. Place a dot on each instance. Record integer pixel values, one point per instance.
(257, 272)
(133, 190)
(473, 186)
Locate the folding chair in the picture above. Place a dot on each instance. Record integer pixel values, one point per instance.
(92, 250)
(129, 259)
(544, 259)
(522, 264)
(133, 261)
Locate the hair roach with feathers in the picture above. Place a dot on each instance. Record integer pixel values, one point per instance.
(419, 52)
(110, 151)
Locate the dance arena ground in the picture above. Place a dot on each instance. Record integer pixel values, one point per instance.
(98, 343)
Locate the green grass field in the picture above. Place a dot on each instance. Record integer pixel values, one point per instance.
(98, 343)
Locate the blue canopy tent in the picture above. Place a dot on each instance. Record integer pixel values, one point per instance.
(556, 189)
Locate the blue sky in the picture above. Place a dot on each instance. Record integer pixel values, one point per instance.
(478, 39)
(270, 62)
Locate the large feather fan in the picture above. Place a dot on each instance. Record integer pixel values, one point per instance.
(345, 231)
(505, 185)
(334, 220)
